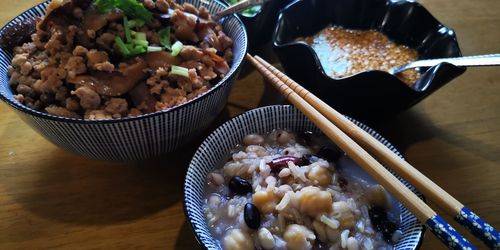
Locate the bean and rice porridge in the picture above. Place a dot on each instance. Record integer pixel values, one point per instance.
(282, 190)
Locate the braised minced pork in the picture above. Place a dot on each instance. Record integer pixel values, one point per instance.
(73, 68)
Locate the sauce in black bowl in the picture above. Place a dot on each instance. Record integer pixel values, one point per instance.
(370, 94)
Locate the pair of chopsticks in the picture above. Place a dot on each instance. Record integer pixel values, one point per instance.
(347, 136)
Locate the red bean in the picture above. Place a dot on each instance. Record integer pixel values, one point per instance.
(282, 162)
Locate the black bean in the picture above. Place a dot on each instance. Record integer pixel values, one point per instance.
(308, 159)
(380, 221)
(388, 228)
(377, 215)
(331, 155)
(251, 216)
(343, 183)
(240, 186)
(306, 138)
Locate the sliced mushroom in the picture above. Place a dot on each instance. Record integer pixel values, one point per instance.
(142, 94)
(93, 20)
(221, 65)
(165, 17)
(160, 59)
(65, 8)
(113, 83)
(207, 34)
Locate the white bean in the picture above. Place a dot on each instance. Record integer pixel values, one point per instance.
(343, 238)
(217, 179)
(239, 156)
(266, 238)
(299, 237)
(238, 239)
(271, 181)
(214, 201)
(352, 244)
(259, 150)
(283, 189)
(284, 173)
(284, 137)
(253, 139)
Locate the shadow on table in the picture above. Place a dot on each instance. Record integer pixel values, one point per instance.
(411, 127)
(75, 190)
(186, 239)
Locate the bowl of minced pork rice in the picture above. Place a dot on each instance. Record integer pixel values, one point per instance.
(120, 79)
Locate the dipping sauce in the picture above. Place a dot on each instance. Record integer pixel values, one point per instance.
(283, 190)
(344, 52)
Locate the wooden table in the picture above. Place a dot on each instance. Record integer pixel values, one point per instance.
(53, 199)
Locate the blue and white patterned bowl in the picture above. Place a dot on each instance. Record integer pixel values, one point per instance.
(139, 137)
(214, 151)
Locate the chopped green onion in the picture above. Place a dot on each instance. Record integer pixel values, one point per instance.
(165, 37)
(130, 49)
(154, 49)
(252, 11)
(136, 23)
(140, 42)
(105, 5)
(126, 28)
(135, 9)
(140, 36)
(180, 71)
(120, 45)
(131, 8)
(176, 48)
(137, 50)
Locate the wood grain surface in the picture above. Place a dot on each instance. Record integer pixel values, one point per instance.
(51, 199)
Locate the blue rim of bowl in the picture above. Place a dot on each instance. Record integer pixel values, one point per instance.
(363, 126)
(450, 31)
(25, 109)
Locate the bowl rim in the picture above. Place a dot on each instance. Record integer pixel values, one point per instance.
(451, 32)
(235, 67)
(363, 126)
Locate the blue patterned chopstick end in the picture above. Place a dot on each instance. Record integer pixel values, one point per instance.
(479, 228)
(447, 234)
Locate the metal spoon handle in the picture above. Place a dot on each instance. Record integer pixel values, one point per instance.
(480, 60)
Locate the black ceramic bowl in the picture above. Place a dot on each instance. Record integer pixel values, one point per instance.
(369, 94)
(260, 26)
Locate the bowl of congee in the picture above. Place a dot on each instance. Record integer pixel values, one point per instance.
(342, 51)
(281, 184)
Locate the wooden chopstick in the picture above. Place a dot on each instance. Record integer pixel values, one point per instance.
(431, 190)
(239, 6)
(422, 211)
